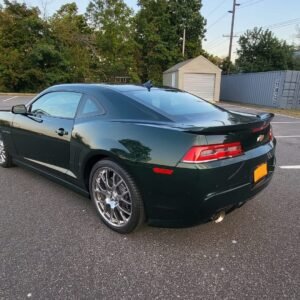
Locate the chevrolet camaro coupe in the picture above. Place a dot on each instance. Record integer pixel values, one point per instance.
(142, 153)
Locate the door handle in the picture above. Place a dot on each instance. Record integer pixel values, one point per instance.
(61, 132)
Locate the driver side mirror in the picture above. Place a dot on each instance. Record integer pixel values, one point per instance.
(20, 109)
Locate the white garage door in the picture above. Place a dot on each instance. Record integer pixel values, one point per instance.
(201, 85)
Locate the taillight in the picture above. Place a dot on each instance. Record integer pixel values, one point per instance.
(199, 154)
(271, 136)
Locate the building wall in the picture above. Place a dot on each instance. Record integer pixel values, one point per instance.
(167, 79)
(274, 89)
(202, 66)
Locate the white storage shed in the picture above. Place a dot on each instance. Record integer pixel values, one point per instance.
(197, 76)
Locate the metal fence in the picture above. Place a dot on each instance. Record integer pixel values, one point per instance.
(279, 89)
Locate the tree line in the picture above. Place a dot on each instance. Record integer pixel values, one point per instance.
(111, 43)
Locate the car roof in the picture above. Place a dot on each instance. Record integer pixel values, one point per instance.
(94, 89)
(122, 88)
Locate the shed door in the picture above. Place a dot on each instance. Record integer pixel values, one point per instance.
(201, 85)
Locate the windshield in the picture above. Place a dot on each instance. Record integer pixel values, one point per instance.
(174, 103)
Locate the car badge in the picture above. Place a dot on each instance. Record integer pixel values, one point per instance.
(260, 138)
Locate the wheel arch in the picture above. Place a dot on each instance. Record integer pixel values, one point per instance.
(93, 158)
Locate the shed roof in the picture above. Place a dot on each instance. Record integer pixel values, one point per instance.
(184, 63)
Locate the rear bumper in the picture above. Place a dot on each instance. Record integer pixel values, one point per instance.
(198, 203)
(226, 200)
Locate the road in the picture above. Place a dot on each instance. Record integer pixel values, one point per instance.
(53, 245)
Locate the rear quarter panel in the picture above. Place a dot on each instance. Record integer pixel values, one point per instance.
(133, 143)
(136, 147)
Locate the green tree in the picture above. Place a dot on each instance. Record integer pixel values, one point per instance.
(29, 61)
(74, 38)
(186, 14)
(159, 33)
(112, 22)
(261, 51)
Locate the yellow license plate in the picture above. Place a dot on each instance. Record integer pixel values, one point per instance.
(260, 172)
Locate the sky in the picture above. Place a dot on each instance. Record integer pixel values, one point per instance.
(282, 17)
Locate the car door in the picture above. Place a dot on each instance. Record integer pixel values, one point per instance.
(43, 136)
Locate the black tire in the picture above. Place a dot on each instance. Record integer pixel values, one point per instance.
(5, 158)
(109, 205)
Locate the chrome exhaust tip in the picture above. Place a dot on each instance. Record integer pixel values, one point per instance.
(219, 216)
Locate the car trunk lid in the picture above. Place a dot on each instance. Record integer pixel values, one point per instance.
(250, 130)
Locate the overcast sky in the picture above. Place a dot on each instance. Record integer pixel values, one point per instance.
(249, 14)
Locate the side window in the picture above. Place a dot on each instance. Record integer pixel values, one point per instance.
(90, 107)
(57, 104)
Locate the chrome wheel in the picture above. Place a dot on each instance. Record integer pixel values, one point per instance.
(3, 157)
(112, 197)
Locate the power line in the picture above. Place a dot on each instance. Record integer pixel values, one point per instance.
(214, 42)
(245, 2)
(217, 21)
(217, 45)
(276, 25)
(283, 24)
(250, 4)
(217, 42)
(216, 8)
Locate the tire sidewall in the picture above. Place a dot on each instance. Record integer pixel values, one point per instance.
(137, 214)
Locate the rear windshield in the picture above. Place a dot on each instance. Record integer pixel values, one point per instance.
(174, 103)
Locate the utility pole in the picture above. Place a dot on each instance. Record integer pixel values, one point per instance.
(232, 28)
(183, 42)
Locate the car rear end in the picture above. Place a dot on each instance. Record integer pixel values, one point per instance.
(231, 169)
(230, 159)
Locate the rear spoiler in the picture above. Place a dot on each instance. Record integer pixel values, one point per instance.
(266, 116)
(262, 121)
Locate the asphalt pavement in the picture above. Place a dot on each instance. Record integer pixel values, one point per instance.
(7, 101)
(53, 246)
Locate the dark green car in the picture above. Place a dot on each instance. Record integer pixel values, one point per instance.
(142, 153)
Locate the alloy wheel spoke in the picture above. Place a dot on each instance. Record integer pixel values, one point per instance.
(123, 210)
(121, 213)
(124, 193)
(116, 183)
(101, 205)
(125, 201)
(114, 179)
(116, 217)
(104, 178)
(100, 190)
(111, 211)
(2, 152)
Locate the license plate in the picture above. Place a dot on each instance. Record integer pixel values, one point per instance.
(260, 172)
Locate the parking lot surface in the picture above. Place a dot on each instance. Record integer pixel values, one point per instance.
(53, 245)
(7, 101)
